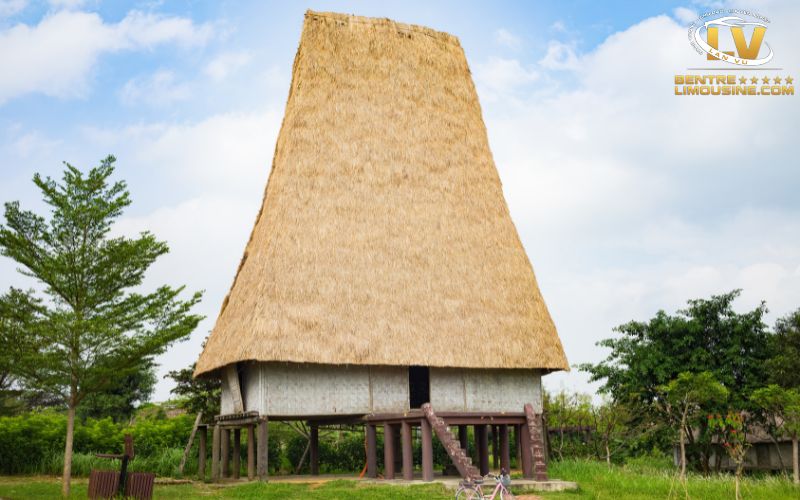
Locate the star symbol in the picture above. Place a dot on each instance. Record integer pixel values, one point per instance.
(754, 80)
(789, 80)
(765, 80)
(777, 79)
(742, 80)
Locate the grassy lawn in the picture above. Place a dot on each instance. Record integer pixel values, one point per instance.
(631, 482)
(46, 487)
(595, 480)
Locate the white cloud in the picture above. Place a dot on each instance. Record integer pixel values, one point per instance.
(56, 56)
(622, 202)
(559, 56)
(145, 30)
(158, 89)
(67, 4)
(222, 153)
(9, 8)
(501, 76)
(226, 63)
(685, 15)
(33, 142)
(559, 27)
(507, 39)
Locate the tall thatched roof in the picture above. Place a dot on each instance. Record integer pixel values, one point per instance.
(383, 237)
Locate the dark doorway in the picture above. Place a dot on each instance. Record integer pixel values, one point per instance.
(419, 385)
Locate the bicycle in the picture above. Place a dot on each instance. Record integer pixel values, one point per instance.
(471, 490)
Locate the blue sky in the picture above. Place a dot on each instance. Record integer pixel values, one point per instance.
(627, 198)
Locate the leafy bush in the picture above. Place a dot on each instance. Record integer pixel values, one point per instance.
(34, 442)
(338, 452)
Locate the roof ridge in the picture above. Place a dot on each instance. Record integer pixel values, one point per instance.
(385, 21)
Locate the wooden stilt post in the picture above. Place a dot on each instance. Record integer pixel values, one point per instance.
(463, 437)
(495, 446)
(505, 451)
(372, 452)
(482, 443)
(427, 450)
(202, 440)
(237, 452)
(313, 448)
(388, 451)
(215, 444)
(263, 446)
(225, 452)
(251, 452)
(525, 449)
(408, 451)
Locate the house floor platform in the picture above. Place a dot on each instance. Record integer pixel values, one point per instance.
(450, 482)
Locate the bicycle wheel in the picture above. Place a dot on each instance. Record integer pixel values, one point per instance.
(506, 494)
(468, 493)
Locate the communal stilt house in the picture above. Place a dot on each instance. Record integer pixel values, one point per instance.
(384, 282)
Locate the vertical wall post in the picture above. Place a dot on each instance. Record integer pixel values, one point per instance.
(427, 450)
(525, 449)
(237, 452)
(482, 443)
(388, 451)
(225, 452)
(263, 446)
(463, 438)
(518, 439)
(313, 448)
(202, 440)
(408, 451)
(215, 444)
(372, 452)
(495, 446)
(235, 391)
(251, 452)
(505, 451)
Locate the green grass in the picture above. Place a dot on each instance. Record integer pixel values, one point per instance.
(640, 480)
(46, 487)
(657, 481)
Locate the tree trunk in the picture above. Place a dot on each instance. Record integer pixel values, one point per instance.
(302, 458)
(738, 479)
(683, 446)
(795, 460)
(65, 479)
(608, 456)
(780, 455)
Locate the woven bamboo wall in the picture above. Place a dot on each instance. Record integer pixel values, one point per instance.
(491, 390)
(292, 389)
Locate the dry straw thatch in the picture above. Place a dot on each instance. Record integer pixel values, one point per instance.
(384, 237)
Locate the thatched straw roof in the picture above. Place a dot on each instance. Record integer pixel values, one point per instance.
(384, 237)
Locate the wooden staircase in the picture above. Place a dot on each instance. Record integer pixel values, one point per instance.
(537, 444)
(457, 454)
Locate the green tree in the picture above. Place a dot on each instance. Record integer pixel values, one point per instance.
(731, 430)
(686, 397)
(196, 394)
(93, 329)
(792, 426)
(17, 309)
(120, 400)
(609, 420)
(566, 412)
(780, 412)
(784, 365)
(708, 335)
